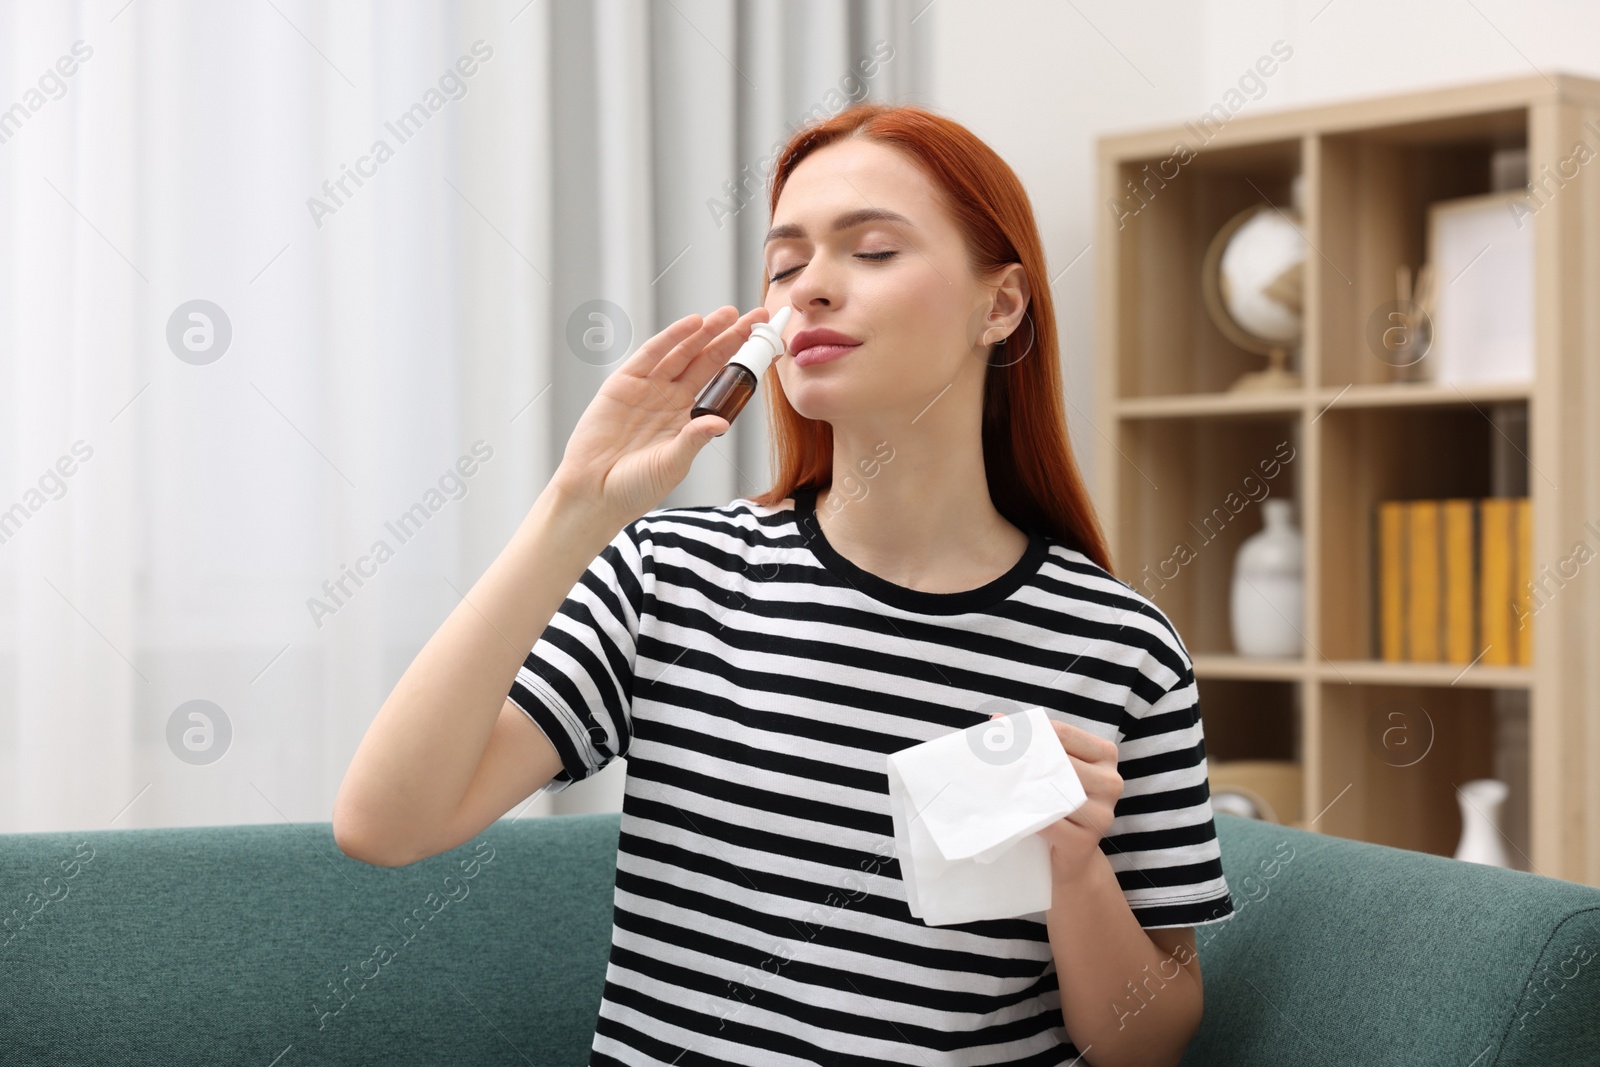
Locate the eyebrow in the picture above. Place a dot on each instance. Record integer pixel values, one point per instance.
(843, 222)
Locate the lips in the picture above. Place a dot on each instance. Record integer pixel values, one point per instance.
(820, 346)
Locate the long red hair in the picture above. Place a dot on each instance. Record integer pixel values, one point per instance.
(1033, 478)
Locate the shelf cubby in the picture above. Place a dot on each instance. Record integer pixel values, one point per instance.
(1373, 454)
(1390, 749)
(1168, 343)
(1193, 493)
(1250, 720)
(1375, 187)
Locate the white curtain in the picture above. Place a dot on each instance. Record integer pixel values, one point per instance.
(273, 394)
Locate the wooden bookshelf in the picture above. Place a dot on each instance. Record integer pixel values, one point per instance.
(1179, 442)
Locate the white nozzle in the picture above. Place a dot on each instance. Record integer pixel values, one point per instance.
(766, 342)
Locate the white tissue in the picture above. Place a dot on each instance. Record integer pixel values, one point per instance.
(967, 808)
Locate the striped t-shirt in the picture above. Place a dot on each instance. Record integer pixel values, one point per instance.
(756, 681)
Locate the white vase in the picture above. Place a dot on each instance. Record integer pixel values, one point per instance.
(1268, 601)
(1481, 839)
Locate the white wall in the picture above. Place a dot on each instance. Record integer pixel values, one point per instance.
(1040, 80)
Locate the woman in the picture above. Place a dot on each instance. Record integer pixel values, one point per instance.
(927, 557)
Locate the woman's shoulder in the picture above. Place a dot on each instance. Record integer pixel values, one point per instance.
(741, 521)
(1136, 618)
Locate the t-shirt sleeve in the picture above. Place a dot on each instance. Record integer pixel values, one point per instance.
(1162, 841)
(577, 682)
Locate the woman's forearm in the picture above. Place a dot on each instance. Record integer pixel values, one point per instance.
(414, 765)
(1123, 999)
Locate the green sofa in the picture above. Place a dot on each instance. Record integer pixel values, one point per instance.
(226, 945)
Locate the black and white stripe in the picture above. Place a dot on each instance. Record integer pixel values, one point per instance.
(756, 681)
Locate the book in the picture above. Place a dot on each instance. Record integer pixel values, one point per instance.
(1391, 600)
(1459, 521)
(1496, 582)
(1424, 582)
(1522, 596)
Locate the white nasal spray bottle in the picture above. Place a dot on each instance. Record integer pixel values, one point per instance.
(732, 387)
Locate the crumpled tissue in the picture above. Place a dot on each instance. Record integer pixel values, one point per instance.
(967, 808)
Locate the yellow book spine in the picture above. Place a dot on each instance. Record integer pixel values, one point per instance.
(1495, 620)
(1522, 600)
(1425, 613)
(1459, 594)
(1391, 580)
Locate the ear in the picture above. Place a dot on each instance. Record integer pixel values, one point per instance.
(1011, 298)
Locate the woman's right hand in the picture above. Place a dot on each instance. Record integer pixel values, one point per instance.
(635, 442)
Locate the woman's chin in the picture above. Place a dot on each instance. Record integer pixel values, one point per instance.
(845, 398)
(826, 404)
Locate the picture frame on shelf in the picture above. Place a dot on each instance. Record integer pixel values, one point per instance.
(1481, 248)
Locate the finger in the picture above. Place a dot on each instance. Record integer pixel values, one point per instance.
(696, 435)
(1076, 741)
(691, 331)
(651, 352)
(1081, 743)
(671, 365)
(1085, 818)
(1086, 770)
(698, 368)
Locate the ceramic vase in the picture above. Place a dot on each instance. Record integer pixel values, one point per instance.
(1481, 839)
(1268, 599)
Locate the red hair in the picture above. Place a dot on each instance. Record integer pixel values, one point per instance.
(1033, 478)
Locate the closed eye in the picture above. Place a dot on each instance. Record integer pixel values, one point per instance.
(859, 255)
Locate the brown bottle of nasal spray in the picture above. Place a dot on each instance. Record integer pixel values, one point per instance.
(728, 391)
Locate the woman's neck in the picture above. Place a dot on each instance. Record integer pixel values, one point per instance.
(920, 518)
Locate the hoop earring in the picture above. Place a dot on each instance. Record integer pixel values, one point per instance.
(1001, 348)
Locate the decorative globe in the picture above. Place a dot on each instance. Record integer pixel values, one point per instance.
(1252, 279)
(1261, 274)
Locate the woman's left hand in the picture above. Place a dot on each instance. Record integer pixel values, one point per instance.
(1075, 838)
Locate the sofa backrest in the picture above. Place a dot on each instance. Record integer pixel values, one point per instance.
(267, 945)
(1357, 953)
